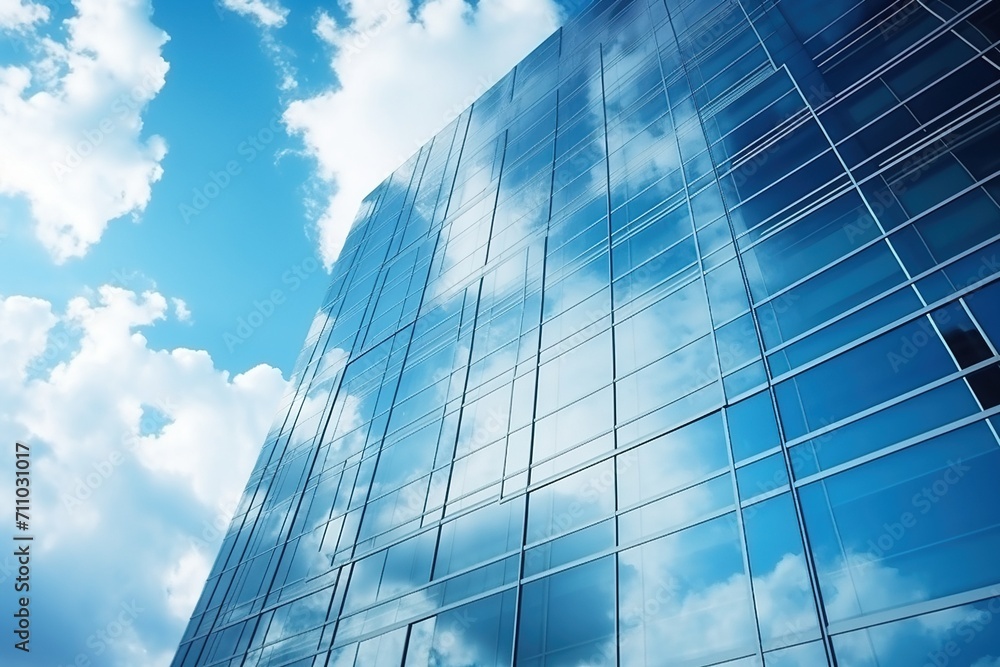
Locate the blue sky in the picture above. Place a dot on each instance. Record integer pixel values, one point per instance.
(175, 181)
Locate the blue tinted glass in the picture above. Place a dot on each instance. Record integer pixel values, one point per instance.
(852, 327)
(689, 368)
(786, 609)
(985, 306)
(882, 368)
(568, 617)
(479, 633)
(810, 654)
(667, 325)
(752, 427)
(764, 476)
(677, 591)
(677, 510)
(672, 461)
(568, 548)
(962, 636)
(947, 231)
(737, 343)
(889, 532)
(582, 497)
(828, 294)
(906, 419)
(478, 536)
(726, 293)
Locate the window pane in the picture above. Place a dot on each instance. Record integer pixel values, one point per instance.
(829, 294)
(666, 380)
(752, 427)
(786, 610)
(898, 530)
(479, 536)
(568, 619)
(662, 328)
(884, 367)
(572, 501)
(672, 461)
(904, 420)
(480, 633)
(963, 636)
(677, 593)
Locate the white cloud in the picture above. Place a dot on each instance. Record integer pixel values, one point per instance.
(401, 79)
(182, 310)
(24, 328)
(72, 123)
(265, 14)
(124, 510)
(15, 15)
(269, 16)
(184, 581)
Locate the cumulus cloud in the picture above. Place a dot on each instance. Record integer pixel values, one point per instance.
(402, 74)
(137, 456)
(15, 15)
(72, 120)
(24, 326)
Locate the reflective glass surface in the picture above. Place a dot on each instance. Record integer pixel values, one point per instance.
(678, 347)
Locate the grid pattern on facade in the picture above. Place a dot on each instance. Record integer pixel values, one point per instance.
(679, 347)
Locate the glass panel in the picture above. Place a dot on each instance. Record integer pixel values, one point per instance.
(572, 501)
(663, 381)
(568, 619)
(963, 636)
(786, 609)
(574, 374)
(479, 536)
(479, 633)
(829, 294)
(726, 292)
(677, 510)
(752, 427)
(382, 651)
(891, 532)
(983, 304)
(667, 325)
(807, 654)
(677, 592)
(808, 244)
(884, 367)
(762, 476)
(904, 420)
(569, 548)
(737, 343)
(672, 461)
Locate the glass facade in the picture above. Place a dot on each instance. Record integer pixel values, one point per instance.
(679, 347)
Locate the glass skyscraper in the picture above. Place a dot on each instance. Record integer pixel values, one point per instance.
(679, 347)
